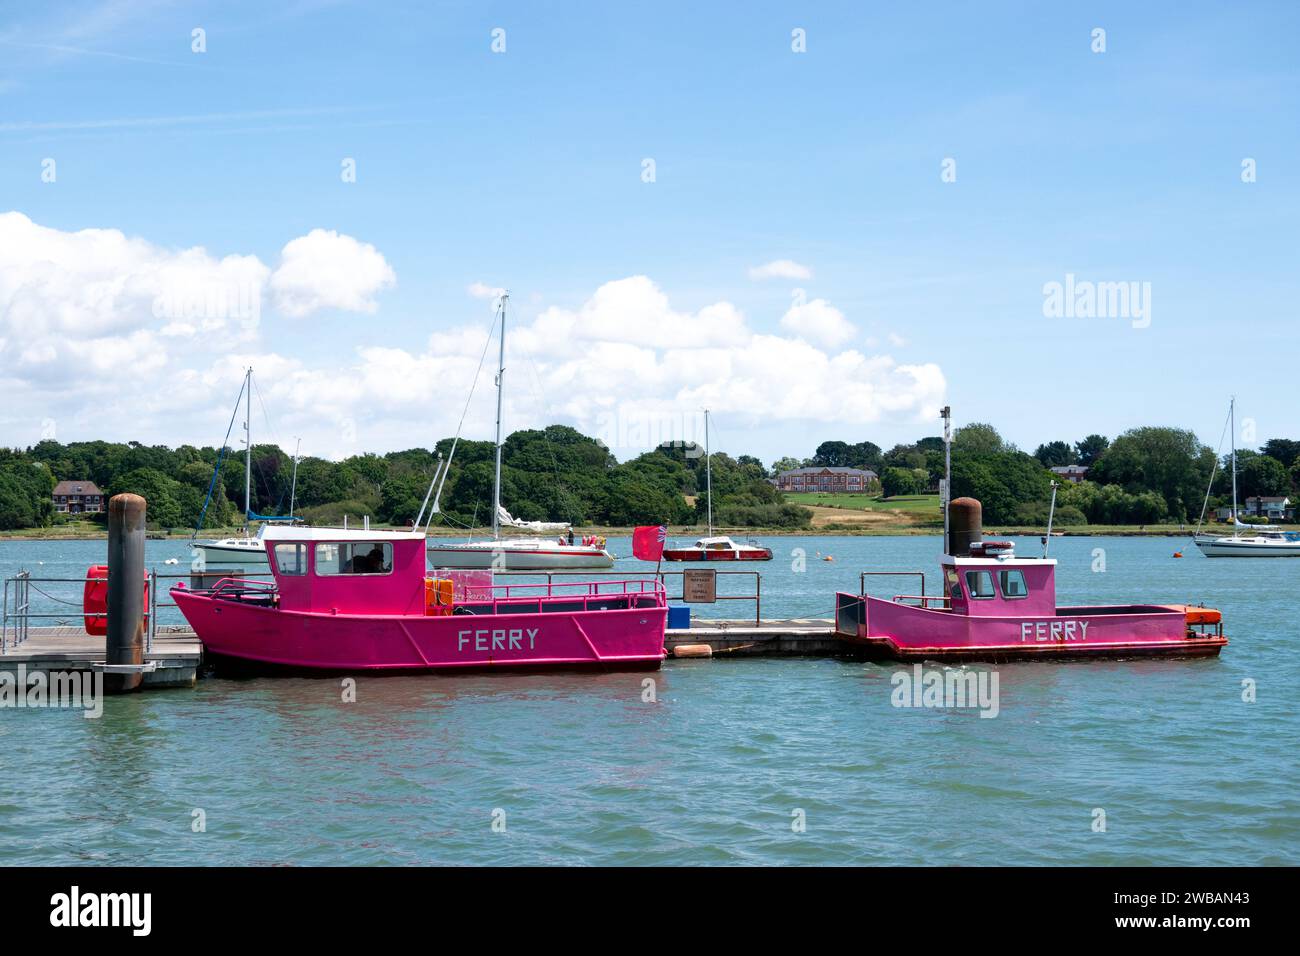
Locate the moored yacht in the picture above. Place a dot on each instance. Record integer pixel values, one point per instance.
(538, 553)
(716, 547)
(1246, 540)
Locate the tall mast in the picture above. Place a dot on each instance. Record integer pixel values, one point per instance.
(1232, 414)
(708, 470)
(501, 371)
(248, 442)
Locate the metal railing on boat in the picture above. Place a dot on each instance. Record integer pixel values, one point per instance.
(756, 597)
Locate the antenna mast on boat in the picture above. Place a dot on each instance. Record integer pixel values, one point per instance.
(946, 414)
(293, 485)
(708, 471)
(501, 371)
(248, 444)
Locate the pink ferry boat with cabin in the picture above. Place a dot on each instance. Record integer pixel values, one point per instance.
(349, 600)
(997, 606)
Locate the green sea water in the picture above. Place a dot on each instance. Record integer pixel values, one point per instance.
(745, 761)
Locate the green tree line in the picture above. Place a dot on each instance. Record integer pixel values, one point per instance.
(551, 474)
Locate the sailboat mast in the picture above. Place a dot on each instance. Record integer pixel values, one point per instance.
(1232, 415)
(708, 470)
(248, 442)
(501, 371)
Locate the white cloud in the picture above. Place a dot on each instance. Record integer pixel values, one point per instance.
(481, 290)
(819, 322)
(780, 269)
(327, 270)
(78, 307)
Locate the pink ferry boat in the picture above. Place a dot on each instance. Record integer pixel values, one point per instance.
(348, 600)
(997, 606)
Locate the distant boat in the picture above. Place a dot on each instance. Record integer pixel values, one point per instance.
(719, 548)
(1260, 541)
(716, 547)
(243, 549)
(558, 552)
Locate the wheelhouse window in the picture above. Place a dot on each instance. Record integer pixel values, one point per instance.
(954, 584)
(1012, 584)
(290, 559)
(980, 585)
(354, 557)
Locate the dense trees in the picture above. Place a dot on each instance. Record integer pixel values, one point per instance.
(553, 474)
(1146, 475)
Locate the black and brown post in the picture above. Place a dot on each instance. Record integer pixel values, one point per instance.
(126, 537)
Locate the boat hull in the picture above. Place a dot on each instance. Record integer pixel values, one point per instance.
(876, 627)
(694, 554)
(217, 555)
(630, 636)
(1230, 548)
(574, 557)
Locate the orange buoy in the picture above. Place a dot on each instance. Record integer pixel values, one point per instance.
(1178, 554)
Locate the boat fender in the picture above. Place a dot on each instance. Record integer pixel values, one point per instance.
(692, 650)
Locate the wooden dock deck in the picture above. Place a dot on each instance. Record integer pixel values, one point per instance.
(177, 653)
(800, 637)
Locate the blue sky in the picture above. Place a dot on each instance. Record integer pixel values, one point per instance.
(524, 169)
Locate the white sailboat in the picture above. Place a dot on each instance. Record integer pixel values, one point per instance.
(716, 547)
(243, 550)
(556, 552)
(1256, 541)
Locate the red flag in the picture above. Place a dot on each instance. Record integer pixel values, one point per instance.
(648, 542)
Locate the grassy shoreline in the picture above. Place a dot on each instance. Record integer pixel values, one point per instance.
(832, 530)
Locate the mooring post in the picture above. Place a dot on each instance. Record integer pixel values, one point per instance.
(125, 590)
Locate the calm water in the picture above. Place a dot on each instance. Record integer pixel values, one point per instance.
(586, 772)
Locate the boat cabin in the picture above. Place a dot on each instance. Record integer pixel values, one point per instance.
(347, 571)
(995, 583)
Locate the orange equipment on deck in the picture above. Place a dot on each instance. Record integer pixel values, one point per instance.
(438, 596)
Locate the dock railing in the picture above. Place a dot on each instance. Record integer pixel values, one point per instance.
(17, 614)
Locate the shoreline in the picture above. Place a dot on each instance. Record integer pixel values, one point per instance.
(867, 531)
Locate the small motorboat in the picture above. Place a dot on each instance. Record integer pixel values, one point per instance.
(719, 548)
(998, 606)
(361, 600)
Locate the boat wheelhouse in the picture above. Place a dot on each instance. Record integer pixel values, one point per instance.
(346, 600)
(997, 606)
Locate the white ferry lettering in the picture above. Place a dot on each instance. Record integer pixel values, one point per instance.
(497, 640)
(1053, 631)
